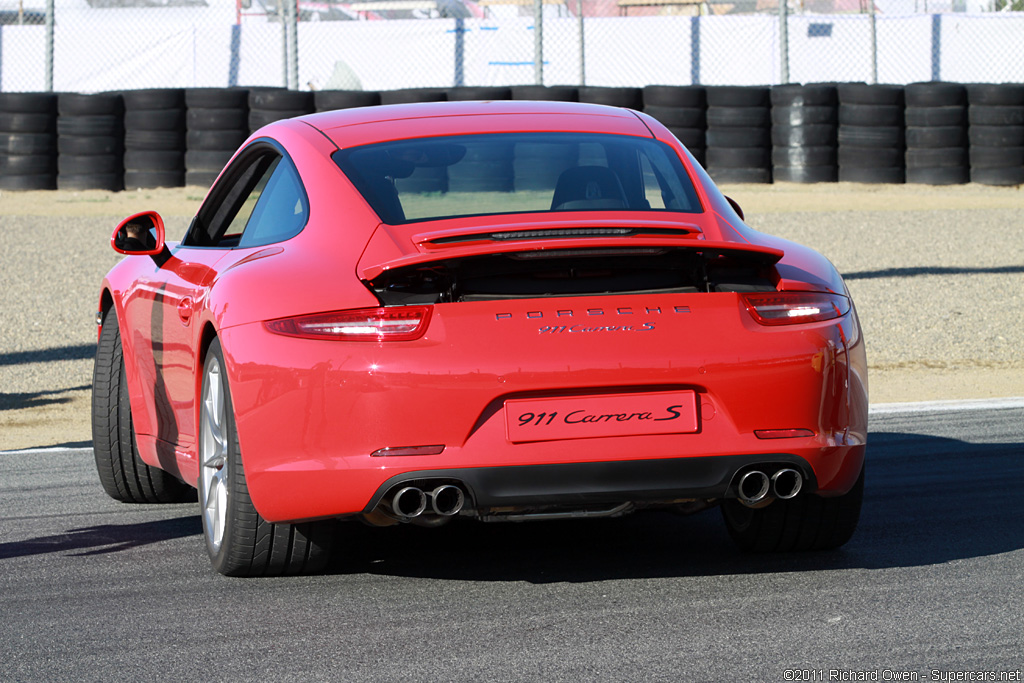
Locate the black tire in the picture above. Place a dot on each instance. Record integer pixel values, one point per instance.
(870, 157)
(804, 115)
(873, 175)
(155, 119)
(238, 540)
(236, 118)
(678, 117)
(985, 115)
(27, 123)
(124, 476)
(216, 98)
(996, 157)
(215, 140)
(71, 164)
(631, 98)
(936, 137)
(278, 99)
(112, 182)
(88, 144)
(862, 93)
(739, 157)
(739, 96)
(806, 522)
(26, 164)
(262, 117)
(804, 95)
(871, 136)
(98, 104)
(823, 155)
(936, 116)
(28, 103)
(200, 178)
(42, 181)
(1006, 177)
(103, 124)
(937, 157)
(739, 137)
(555, 93)
(204, 160)
(944, 175)
(143, 179)
(690, 137)
(741, 175)
(812, 135)
(934, 94)
(996, 136)
(410, 95)
(996, 94)
(694, 96)
(470, 94)
(871, 114)
(155, 140)
(740, 117)
(805, 174)
(154, 98)
(28, 143)
(329, 100)
(151, 160)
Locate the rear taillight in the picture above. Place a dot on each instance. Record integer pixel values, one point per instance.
(399, 323)
(790, 308)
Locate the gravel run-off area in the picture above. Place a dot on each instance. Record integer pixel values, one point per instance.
(937, 274)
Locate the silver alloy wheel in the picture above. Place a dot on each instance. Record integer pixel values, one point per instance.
(213, 455)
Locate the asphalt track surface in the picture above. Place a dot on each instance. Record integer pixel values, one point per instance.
(94, 590)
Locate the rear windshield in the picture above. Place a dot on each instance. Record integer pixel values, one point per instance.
(467, 175)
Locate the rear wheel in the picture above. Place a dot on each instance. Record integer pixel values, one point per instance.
(124, 476)
(806, 522)
(240, 542)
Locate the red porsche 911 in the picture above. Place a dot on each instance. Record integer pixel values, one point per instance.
(489, 310)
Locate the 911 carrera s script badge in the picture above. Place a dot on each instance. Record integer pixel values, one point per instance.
(581, 417)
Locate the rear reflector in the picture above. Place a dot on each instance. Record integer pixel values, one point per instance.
(782, 433)
(791, 308)
(399, 323)
(407, 450)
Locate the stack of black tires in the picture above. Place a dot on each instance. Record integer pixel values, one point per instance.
(267, 105)
(936, 133)
(546, 93)
(467, 94)
(683, 110)
(28, 141)
(329, 100)
(996, 132)
(871, 138)
(410, 95)
(739, 134)
(154, 138)
(805, 133)
(90, 141)
(217, 123)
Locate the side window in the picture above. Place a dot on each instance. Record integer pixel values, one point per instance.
(259, 200)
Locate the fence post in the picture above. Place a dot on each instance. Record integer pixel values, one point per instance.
(874, 45)
(538, 42)
(291, 45)
(49, 45)
(784, 40)
(583, 51)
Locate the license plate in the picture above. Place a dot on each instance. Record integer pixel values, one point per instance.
(582, 417)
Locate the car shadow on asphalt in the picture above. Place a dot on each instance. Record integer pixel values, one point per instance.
(928, 500)
(104, 538)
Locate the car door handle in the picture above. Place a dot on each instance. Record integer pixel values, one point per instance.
(185, 310)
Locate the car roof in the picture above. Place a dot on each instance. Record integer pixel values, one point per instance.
(366, 125)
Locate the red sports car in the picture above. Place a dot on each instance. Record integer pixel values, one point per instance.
(495, 310)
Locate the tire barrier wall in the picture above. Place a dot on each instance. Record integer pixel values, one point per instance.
(932, 133)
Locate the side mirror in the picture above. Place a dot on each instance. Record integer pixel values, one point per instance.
(139, 235)
(735, 207)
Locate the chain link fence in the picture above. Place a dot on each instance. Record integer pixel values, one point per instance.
(102, 45)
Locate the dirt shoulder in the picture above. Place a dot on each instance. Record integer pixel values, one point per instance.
(937, 274)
